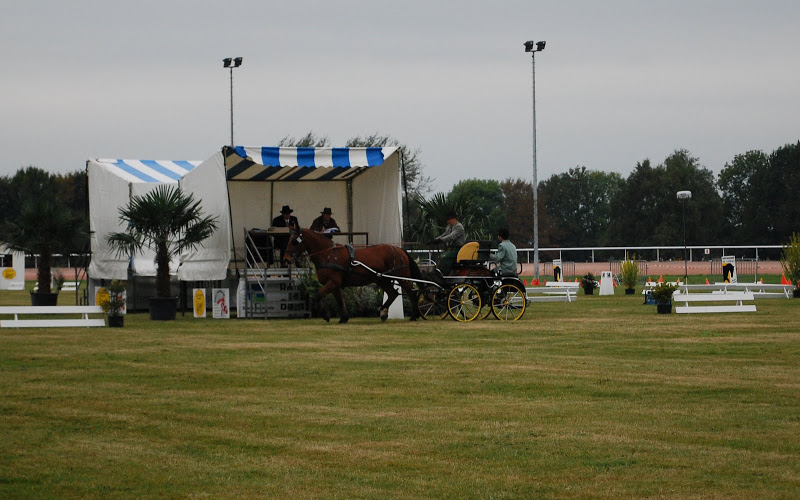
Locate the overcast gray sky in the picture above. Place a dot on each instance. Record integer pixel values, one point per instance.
(618, 82)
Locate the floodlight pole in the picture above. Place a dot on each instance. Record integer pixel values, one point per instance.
(529, 47)
(683, 196)
(231, 63)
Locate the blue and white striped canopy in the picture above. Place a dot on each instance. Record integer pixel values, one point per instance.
(148, 171)
(295, 164)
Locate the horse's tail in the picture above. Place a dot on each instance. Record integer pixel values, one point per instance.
(412, 265)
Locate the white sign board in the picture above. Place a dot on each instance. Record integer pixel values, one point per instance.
(729, 269)
(221, 301)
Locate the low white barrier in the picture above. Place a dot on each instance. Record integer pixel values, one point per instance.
(18, 311)
(737, 297)
(552, 294)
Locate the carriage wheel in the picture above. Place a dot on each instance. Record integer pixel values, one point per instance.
(508, 303)
(464, 302)
(432, 303)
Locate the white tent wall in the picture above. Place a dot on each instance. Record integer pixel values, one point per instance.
(107, 192)
(209, 261)
(377, 203)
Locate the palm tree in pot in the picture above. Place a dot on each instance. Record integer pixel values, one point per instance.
(45, 227)
(169, 222)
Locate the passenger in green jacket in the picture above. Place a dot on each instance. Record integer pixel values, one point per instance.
(506, 256)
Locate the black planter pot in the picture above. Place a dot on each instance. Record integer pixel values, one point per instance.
(44, 299)
(630, 291)
(664, 308)
(588, 291)
(796, 293)
(163, 308)
(116, 321)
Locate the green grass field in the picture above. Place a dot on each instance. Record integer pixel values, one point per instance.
(602, 398)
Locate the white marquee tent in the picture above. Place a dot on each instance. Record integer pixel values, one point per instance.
(245, 188)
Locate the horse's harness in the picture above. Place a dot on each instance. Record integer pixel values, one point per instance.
(333, 261)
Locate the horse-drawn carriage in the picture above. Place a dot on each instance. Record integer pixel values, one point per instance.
(471, 290)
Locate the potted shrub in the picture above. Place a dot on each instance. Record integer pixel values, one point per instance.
(114, 305)
(662, 294)
(588, 283)
(169, 222)
(790, 261)
(630, 275)
(44, 227)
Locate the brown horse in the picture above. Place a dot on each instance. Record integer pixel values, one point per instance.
(339, 266)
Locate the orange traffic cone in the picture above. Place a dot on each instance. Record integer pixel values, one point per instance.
(649, 279)
(524, 282)
(678, 280)
(576, 280)
(707, 283)
(661, 279)
(545, 282)
(535, 282)
(784, 281)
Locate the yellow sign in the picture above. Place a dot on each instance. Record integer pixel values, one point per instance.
(9, 273)
(199, 303)
(102, 296)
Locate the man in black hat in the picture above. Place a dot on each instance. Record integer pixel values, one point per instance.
(325, 223)
(285, 219)
(453, 237)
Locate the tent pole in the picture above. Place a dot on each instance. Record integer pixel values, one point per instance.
(230, 212)
(349, 205)
(405, 190)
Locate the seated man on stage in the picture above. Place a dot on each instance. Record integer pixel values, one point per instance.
(285, 219)
(506, 256)
(325, 223)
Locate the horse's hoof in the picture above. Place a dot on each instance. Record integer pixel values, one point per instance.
(326, 317)
(343, 320)
(412, 318)
(384, 317)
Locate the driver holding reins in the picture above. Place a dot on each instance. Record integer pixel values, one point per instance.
(454, 238)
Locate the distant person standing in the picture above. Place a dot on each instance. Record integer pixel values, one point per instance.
(285, 219)
(506, 256)
(325, 223)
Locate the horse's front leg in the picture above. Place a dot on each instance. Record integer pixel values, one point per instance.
(391, 294)
(327, 288)
(344, 316)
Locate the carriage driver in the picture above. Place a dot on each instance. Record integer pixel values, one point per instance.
(506, 256)
(453, 237)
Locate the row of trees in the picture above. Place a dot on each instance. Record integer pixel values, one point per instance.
(754, 200)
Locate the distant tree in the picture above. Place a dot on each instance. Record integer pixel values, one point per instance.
(773, 208)
(580, 201)
(647, 211)
(310, 140)
(735, 184)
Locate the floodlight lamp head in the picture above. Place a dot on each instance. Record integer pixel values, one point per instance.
(684, 195)
(237, 62)
(529, 46)
(226, 63)
(540, 46)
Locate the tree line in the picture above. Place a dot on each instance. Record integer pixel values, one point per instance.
(755, 199)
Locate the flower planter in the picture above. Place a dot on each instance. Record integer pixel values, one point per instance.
(116, 321)
(796, 293)
(630, 291)
(588, 291)
(163, 308)
(664, 308)
(44, 299)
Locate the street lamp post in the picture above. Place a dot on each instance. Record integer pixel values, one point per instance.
(231, 63)
(683, 196)
(533, 49)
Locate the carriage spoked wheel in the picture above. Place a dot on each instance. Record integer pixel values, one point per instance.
(464, 302)
(508, 303)
(432, 303)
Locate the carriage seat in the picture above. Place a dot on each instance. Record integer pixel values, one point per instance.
(474, 253)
